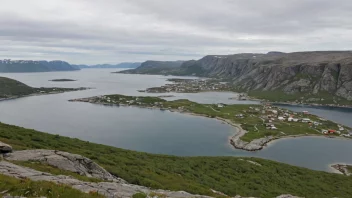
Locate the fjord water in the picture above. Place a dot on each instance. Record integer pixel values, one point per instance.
(156, 131)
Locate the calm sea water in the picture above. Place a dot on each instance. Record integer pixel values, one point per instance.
(152, 130)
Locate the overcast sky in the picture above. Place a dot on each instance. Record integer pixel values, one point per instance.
(112, 31)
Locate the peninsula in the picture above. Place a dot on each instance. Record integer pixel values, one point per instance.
(63, 80)
(11, 89)
(257, 124)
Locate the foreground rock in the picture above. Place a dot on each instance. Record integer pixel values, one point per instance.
(63, 160)
(108, 189)
(5, 148)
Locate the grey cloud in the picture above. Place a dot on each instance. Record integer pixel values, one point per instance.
(88, 31)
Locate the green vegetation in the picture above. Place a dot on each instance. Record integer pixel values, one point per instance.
(253, 118)
(53, 170)
(323, 98)
(139, 195)
(198, 175)
(10, 88)
(28, 188)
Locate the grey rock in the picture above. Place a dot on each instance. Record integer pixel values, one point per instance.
(63, 160)
(109, 189)
(5, 148)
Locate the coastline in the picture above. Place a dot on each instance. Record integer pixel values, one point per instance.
(42, 94)
(340, 168)
(308, 104)
(234, 140)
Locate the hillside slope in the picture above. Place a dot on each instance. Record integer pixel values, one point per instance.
(13, 66)
(10, 88)
(155, 67)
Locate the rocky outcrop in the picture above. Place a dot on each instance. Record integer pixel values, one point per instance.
(109, 189)
(343, 168)
(5, 148)
(63, 160)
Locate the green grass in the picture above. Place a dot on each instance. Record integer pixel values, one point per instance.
(192, 174)
(251, 122)
(27, 188)
(139, 195)
(323, 98)
(53, 170)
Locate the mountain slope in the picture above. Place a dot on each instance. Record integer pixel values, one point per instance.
(155, 67)
(315, 73)
(13, 66)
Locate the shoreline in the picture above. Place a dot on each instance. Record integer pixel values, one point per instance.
(43, 94)
(234, 140)
(340, 168)
(309, 104)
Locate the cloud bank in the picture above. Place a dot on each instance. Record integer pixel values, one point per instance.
(112, 31)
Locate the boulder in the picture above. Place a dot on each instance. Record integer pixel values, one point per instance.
(63, 160)
(5, 148)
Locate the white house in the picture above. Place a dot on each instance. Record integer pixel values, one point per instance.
(281, 118)
(305, 120)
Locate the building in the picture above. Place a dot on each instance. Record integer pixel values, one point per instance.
(281, 118)
(305, 120)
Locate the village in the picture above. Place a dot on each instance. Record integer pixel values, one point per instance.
(258, 120)
(190, 86)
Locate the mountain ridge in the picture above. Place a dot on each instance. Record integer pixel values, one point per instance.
(323, 75)
(16, 66)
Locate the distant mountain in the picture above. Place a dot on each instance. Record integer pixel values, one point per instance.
(107, 66)
(12, 66)
(315, 77)
(155, 67)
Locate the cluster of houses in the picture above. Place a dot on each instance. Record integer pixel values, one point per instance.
(190, 86)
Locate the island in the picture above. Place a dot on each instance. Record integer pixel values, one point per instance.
(11, 89)
(62, 80)
(256, 124)
(190, 86)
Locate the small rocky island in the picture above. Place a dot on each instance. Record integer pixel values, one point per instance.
(62, 80)
(256, 124)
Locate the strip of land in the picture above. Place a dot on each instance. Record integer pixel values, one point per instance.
(256, 124)
(225, 85)
(12, 89)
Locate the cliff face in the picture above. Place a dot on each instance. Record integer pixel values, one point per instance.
(301, 72)
(11, 66)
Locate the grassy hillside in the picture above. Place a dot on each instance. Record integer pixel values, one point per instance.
(229, 175)
(12, 88)
(24, 187)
